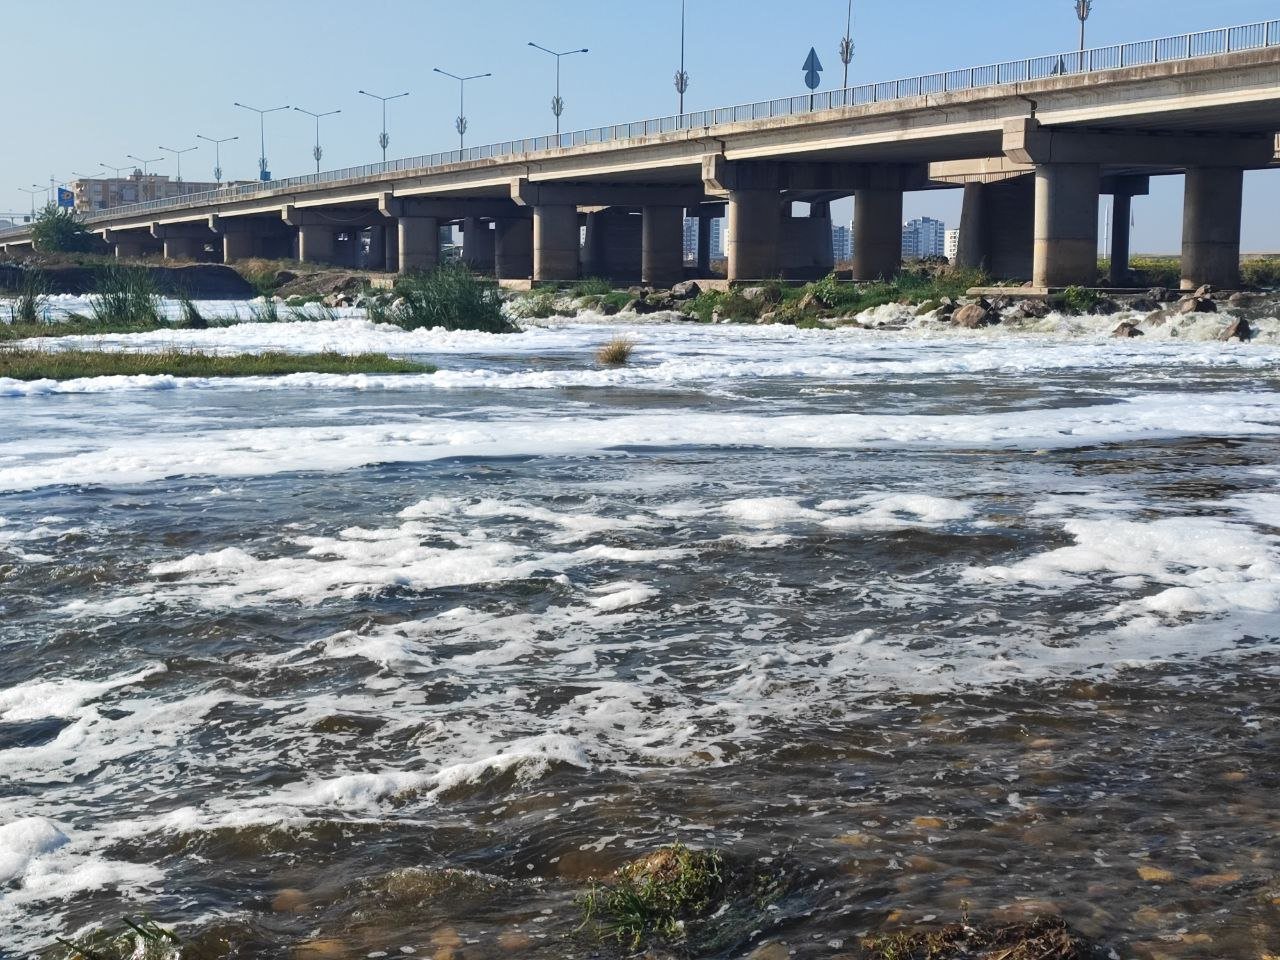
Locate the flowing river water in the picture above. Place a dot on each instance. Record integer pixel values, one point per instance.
(925, 622)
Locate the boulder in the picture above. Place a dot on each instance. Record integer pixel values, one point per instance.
(686, 291)
(1032, 309)
(1238, 329)
(1126, 330)
(1197, 305)
(974, 315)
(607, 308)
(285, 276)
(1240, 299)
(1204, 292)
(1162, 295)
(762, 294)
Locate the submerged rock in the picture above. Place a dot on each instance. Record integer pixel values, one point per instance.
(1126, 330)
(1238, 329)
(1197, 305)
(686, 290)
(1043, 938)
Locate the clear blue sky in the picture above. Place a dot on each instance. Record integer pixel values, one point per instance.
(92, 81)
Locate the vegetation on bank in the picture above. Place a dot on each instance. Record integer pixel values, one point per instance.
(450, 297)
(26, 364)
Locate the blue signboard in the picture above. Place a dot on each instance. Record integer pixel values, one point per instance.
(66, 198)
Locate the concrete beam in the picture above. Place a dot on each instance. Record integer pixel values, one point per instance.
(183, 231)
(343, 219)
(451, 208)
(528, 193)
(721, 175)
(1027, 141)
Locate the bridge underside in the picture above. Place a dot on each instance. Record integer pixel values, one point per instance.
(1032, 159)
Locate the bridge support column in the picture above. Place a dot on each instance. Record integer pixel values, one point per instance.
(418, 243)
(662, 246)
(755, 235)
(997, 225)
(377, 247)
(478, 244)
(183, 248)
(877, 233)
(806, 244)
(316, 243)
(1066, 225)
(704, 246)
(557, 250)
(972, 252)
(1211, 227)
(1121, 219)
(129, 249)
(513, 248)
(236, 245)
(390, 247)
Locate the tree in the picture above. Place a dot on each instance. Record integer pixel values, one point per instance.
(56, 230)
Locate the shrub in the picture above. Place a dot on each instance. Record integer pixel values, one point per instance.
(1262, 272)
(1079, 300)
(191, 317)
(450, 297)
(616, 352)
(126, 297)
(703, 306)
(268, 311)
(56, 230)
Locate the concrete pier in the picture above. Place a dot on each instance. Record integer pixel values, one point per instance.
(1121, 221)
(513, 248)
(877, 233)
(316, 243)
(754, 235)
(478, 244)
(1066, 225)
(556, 245)
(662, 246)
(418, 243)
(1211, 215)
(704, 246)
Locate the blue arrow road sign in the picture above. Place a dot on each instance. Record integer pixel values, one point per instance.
(813, 70)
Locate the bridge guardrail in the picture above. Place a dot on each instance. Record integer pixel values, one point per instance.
(1188, 46)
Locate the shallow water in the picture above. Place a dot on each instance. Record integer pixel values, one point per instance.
(922, 620)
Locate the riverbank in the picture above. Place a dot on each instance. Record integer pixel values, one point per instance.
(37, 364)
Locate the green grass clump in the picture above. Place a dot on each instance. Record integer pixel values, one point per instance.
(591, 287)
(28, 364)
(449, 297)
(143, 939)
(655, 896)
(33, 291)
(126, 295)
(1044, 938)
(1079, 300)
(268, 311)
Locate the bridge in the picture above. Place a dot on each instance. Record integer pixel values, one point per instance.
(1032, 143)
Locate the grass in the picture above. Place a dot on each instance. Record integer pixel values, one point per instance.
(655, 896)
(1079, 300)
(616, 353)
(125, 295)
(591, 287)
(268, 311)
(449, 297)
(143, 939)
(73, 326)
(33, 293)
(28, 364)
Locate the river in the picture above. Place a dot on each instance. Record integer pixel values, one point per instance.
(928, 621)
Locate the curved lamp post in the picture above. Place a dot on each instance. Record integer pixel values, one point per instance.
(264, 171)
(557, 102)
(461, 123)
(1083, 9)
(217, 153)
(384, 140)
(317, 151)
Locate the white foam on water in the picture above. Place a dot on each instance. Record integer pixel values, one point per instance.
(64, 697)
(270, 450)
(23, 841)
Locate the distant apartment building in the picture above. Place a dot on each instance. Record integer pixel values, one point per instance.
(691, 239)
(842, 243)
(99, 194)
(923, 237)
(953, 244)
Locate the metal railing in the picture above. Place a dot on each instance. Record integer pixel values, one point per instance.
(1189, 46)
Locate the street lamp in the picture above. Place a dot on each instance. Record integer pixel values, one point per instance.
(846, 45)
(145, 163)
(557, 102)
(316, 151)
(1083, 9)
(178, 154)
(217, 153)
(32, 191)
(114, 170)
(682, 75)
(384, 141)
(461, 123)
(264, 173)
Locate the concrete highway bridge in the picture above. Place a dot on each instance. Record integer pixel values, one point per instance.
(1032, 143)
